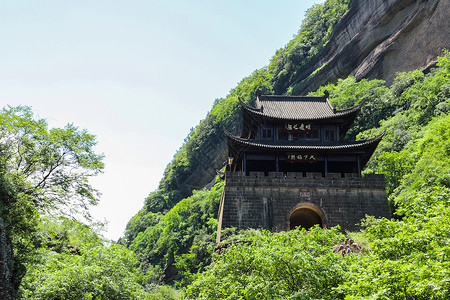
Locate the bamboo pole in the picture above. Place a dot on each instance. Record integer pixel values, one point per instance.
(220, 214)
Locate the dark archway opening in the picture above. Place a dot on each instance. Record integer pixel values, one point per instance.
(305, 218)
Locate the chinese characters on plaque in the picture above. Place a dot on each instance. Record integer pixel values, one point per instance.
(298, 127)
(301, 157)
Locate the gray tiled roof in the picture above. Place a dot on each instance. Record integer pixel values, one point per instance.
(297, 108)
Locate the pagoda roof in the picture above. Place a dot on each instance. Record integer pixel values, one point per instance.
(302, 146)
(297, 108)
(365, 147)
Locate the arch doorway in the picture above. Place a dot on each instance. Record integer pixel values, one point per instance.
(305, 217)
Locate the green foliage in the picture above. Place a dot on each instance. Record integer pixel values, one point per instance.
(431, 153)
(50, 165)
(18, 217)
(298, 264)
(64, 231)
(370, 93)
(41, 170)
(394, 165)
(409, 258)
(96, 270)
(163, 292)
(99, 273)
(314, 34)
(254, 85)
(139, 223)
(198, 257)
(414, 149)
(231, 235)
(185, 234)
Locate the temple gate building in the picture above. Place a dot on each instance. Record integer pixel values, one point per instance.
(291, 166)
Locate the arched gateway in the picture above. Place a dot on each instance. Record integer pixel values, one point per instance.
(306, 215)
(291, 164)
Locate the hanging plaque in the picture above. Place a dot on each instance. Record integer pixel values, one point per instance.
(299, 158)
(297, 127)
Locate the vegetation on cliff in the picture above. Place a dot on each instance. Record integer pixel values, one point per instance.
(313, 35)
(413, 156)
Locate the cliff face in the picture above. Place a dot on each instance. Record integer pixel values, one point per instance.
(378, 38)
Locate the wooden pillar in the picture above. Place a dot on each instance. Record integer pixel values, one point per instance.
(277, 163)
(358, 164)
(325, 158)
(245, 162)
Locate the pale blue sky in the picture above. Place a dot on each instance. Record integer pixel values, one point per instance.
(138, 74)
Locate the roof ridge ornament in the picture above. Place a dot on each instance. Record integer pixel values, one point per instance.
(248, 107)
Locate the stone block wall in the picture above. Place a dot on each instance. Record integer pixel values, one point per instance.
(258, 201)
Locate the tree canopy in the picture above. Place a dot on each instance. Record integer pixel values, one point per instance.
(42, 170)
(51, 165)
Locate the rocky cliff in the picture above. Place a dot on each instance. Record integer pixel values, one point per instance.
(378, 38)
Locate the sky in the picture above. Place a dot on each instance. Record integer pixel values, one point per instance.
(138, 74)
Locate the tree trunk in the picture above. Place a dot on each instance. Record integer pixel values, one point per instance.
(7, 286)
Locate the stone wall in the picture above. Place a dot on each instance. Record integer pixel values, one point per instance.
(259, 201)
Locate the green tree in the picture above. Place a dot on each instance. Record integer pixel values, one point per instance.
(409, 258)
(75, 262)
(42, 169)
(298, 264)
(371, 94)
(184, 234)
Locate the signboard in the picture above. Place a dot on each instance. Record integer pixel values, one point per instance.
(299, 158)
(297, 127)
(305, 194)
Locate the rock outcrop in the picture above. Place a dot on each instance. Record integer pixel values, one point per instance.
(354, 247)
(378, 38)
